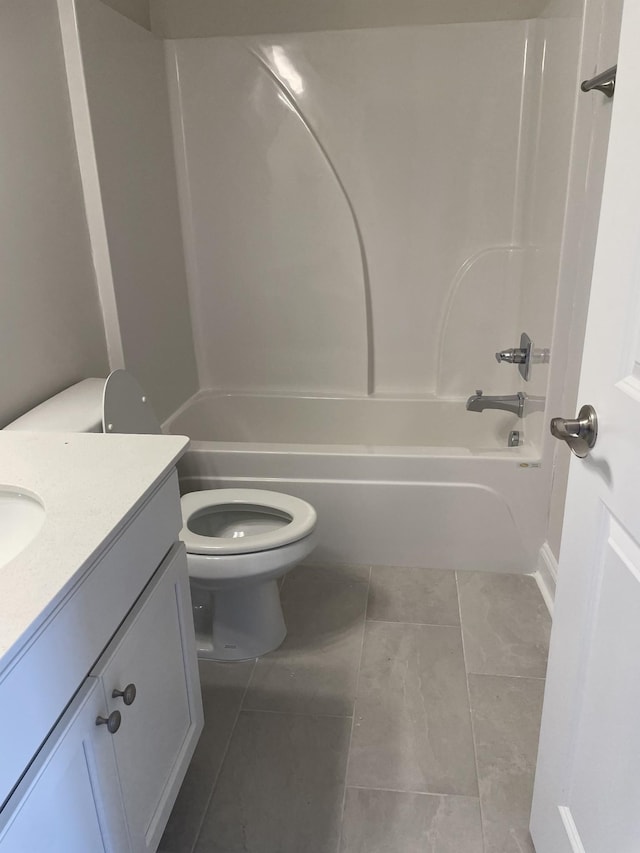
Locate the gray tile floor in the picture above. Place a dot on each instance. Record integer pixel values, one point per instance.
(400, 715)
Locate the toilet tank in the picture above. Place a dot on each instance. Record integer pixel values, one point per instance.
(76, 409)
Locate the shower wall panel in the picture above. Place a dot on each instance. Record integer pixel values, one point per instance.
(350, 206)
(557, 47)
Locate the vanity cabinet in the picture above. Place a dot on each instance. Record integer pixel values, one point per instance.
(69, 801)
(108, 774)
(154, 650)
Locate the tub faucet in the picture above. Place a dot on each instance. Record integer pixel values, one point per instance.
(513, 403)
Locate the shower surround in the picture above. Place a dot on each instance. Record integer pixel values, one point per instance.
(371, 214)
(352, 206)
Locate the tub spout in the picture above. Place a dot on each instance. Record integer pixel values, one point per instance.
(513, 403)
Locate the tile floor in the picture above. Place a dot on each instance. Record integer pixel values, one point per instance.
(401, 715)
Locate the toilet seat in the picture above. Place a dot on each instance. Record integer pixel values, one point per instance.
(286, 518)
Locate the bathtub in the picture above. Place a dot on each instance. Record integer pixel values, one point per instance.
(395, 482)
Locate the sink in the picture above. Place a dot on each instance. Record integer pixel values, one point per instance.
(21, 517)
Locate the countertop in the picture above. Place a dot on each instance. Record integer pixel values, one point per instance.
(90, 484)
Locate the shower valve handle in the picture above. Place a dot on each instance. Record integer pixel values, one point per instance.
(517, 355)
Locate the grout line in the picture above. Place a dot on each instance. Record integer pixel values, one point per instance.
(248, 685)
(403, 622)
(353, 718)
(473, 733)
(366, 606)
(329, 580)
(409, 791)
(205, 811)
(296, 713)
(506, 675)
(339, 568)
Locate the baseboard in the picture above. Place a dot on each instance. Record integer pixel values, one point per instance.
(546, 575)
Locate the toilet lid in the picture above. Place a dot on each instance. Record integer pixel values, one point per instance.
(125, 407)
(221, 510)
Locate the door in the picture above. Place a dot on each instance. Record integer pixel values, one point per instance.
(587, 789)
(153, 655)
(69, 800)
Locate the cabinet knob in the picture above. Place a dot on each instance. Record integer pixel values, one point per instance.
(128, 695)
(112, 722)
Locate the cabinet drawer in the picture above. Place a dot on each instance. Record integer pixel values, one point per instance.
(35, 690)
(155, 651)
(69, 801)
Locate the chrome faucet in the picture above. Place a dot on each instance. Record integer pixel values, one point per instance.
(513, 403)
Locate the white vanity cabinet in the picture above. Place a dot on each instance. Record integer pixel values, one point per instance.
(154, 650)
(69, 801)
(93, 789)
(100, 704)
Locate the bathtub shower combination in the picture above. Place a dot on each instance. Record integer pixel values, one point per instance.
(362, 233)
(384, 243)
(394, 482)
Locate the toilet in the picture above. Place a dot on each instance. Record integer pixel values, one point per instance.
(239, 542)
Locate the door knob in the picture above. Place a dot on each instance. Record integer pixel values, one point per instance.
(580, 434)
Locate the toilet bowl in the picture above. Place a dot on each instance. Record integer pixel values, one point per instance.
(239, 542)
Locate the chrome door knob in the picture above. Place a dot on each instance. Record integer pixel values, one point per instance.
(580, 434)
(127, 695)
(112, 722)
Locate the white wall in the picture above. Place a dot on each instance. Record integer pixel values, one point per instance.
(121, 110)
(303, 152)
(201, 18)
(51, 332)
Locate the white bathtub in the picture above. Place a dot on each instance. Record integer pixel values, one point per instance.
(395, 482)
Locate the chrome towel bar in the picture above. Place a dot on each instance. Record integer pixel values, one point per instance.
(603, 82)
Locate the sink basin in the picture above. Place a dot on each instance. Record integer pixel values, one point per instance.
(21, 517)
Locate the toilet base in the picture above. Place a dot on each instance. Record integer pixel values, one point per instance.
(240, 623)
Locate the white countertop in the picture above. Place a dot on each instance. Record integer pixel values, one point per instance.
(89, 484)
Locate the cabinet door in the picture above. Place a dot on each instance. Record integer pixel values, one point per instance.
(155, 650)
(69, 801)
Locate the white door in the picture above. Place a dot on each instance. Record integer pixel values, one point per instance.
(70, 800)
(587, 791)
